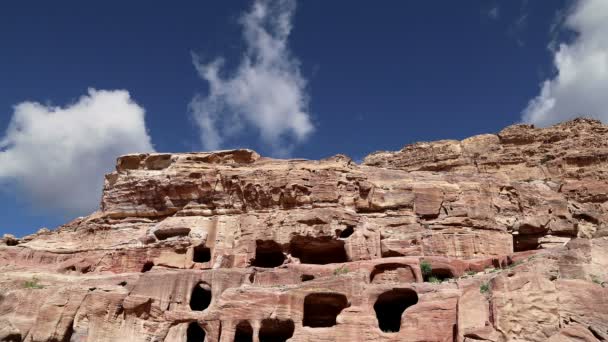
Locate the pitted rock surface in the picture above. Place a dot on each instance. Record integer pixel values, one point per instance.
(499, 237)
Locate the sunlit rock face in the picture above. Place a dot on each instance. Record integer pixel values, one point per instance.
(499, 237)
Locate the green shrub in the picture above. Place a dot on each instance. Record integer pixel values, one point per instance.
(471, 273)
(434, 280)
(33, 284)
(426, 268)
(484, 288)
(341, 270)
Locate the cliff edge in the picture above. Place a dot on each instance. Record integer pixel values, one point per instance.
(498, 237)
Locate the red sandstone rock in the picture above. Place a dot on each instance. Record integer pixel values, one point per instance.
(231, 246)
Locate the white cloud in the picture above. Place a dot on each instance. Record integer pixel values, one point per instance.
(494, 12)
(580, 85)
(265, 93)
(57, 156)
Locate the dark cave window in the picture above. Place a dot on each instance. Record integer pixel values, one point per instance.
(13, 337)
(523, 243)
(201, 254)
(147, 266)
(390, 306)
(348, 231)
(440, 273)
(195, 333)
(321, 309)
(275, 330)
(307, 277)
(268, 254)
(201, 297)
(319, 250)
(243, 332)
(165, 234)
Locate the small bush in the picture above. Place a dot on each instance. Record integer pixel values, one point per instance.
(426, 268)
(341, 270)
(471, 273)
(484, 288)
(434, 280)
(33, 284)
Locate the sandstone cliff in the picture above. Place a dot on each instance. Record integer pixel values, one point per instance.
(499, 237)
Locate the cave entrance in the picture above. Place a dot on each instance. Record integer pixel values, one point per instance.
(390, 306)
(321, 309)
(275, 330)
(147, 266)
(318, 250)
(201, 297)
(12, 337)
(195, 333)
(268, 254)
(164, 234)
(201, 254)
(347, 232)
(307, 277)
(523, 243)
(439, 273)
(244, 332)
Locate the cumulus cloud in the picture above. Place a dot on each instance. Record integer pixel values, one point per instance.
(494, 12)
(57, 156)
(266, 93)
(580, 84)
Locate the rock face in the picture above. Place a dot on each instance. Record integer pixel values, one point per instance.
(499, 237)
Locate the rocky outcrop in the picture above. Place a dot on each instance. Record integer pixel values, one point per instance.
(493, 238)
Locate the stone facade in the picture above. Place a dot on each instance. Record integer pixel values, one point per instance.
(499, 237)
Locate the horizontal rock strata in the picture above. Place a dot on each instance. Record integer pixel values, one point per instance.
(499, 237)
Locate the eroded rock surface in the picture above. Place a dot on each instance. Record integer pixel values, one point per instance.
(494, 238)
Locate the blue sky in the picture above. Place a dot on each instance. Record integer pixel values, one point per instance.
(339, 77)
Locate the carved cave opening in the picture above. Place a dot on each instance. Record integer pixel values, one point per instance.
(12, 337)
(243, 332)
(147, 266)
(201, 297)
(268, 254)
(11, 242)
(275, 330)
(195, 333)
(321, 309)
(201, 254)
(440, 273)
(307, 277)
(348, 231)
(390, 306)
(523, 243)
(318, 250)
(163, 234)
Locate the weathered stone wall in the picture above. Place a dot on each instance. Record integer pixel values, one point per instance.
(496, 238)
